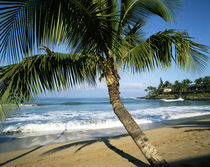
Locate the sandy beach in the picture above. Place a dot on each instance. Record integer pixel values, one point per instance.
(183, 145)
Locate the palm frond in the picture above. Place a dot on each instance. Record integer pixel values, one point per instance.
(163, 48)
(28, 24)
(13, 17)
(133, 10)
(94, 31)
(40, 73)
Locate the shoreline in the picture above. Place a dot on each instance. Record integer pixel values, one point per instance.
(15, 143)
(176, 96)
(185, 142)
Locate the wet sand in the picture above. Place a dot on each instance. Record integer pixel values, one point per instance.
(185, 144)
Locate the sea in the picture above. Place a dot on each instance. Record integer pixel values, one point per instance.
(48, 120)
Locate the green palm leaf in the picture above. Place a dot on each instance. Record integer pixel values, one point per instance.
(41, 73)
(133, 10)
(28, 24)
(163, 48)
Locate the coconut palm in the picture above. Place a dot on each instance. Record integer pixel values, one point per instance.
(185, 84)
(101, 37)
(176, 86)
(198, 81)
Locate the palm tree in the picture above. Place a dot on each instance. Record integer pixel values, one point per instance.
(185, 84)
(167, 84)
(101, 36)
(176, 86)
(206, 80)
(198, 81)
(151, 90)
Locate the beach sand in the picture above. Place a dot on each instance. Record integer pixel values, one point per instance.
(183, 145)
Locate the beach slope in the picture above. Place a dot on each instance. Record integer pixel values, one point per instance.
(183, 145)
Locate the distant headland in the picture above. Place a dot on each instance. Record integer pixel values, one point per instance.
(186, 89)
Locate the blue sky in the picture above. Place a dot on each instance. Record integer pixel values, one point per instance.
(193, 17)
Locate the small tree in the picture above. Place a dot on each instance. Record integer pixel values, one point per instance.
(198, 81)
(176, 86)
(185, 84)
(167, 84)
(206, 80)
(160, 86)
(151, 90)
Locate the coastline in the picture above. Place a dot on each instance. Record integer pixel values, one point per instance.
(197, 97)
(181, 142)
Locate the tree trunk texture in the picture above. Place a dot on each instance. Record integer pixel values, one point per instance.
(148, 150)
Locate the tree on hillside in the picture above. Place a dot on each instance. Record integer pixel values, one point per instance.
(167, 84)
(151, 89)
(101, 36)
(176, 87)
(206, 80)
(198, 81)
(160, 86)
(185, 84)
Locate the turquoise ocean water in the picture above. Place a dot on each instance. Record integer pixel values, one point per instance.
(77, 118)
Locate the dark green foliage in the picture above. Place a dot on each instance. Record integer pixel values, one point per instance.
(176, 87)
(151, 90)
(167, 84)
(198, 81)
(202, 86)
(206, 80)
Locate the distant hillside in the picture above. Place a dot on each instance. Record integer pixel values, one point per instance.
(197, 90)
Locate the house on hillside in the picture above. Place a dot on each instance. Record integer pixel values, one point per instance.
(166, 90)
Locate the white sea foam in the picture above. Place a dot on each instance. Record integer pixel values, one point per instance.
(188, 115)
(27, 105)
(172, 100)
(68, 126)
(171, 110)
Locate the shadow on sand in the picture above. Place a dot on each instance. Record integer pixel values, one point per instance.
(32, 150)
(106, 141)
(84, 144)
(195, 125)
(200, 161)
(22, 155)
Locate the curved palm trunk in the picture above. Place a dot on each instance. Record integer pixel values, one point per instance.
(148, 150)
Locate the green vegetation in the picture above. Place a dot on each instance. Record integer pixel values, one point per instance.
(199, 89)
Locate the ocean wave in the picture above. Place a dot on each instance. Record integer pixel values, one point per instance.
(61, 115)
(73, 103)
(154, 114)
(187, 115)
(172, 109)
(141, 117)
(71, 126)
(27, 105)
(73, 115)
